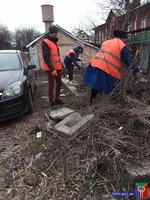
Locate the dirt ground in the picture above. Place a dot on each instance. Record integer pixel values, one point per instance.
(18, 138)
(17, 133)
(14, 132)
(53, 167)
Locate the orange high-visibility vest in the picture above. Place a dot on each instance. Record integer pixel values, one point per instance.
(54, 56)
(108, 58)
(71, 51)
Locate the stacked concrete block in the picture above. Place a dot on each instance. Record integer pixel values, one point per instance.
(60, 113)
(71, 123)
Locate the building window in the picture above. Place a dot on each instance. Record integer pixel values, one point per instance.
(102, 36)
(143, 22)
(135, 23)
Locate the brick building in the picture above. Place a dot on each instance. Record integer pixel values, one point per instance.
(83, 36)
(138, 30)
(140, 18)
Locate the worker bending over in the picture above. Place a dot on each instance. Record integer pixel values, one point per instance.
(105, 69)
(70, 60)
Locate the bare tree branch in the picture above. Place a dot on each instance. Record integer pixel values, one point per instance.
(24, 36)
(6, 38)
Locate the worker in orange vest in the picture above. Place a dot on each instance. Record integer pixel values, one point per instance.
(105, 69)
(70, 60)
(52, 64)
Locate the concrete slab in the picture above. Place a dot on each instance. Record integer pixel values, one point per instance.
(74, 124)
(60, 113)
(138, 174)
(72, 119)
(72, 88)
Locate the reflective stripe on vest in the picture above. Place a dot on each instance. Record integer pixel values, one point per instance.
(54, 56)
(109, 62)
(108, 58)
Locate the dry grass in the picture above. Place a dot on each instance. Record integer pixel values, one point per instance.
(91, 165)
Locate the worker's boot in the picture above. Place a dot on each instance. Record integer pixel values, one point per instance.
(59, 102)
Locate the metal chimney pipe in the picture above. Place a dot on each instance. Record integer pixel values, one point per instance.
(47, 15)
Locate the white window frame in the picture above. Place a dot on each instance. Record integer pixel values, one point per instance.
(135, 23)
(143, 22)
(129, 27)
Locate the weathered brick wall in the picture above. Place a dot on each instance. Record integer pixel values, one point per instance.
(137, 16)
(66, 42)
(148, 18)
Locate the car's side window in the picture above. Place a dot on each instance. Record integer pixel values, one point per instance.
(24, 60)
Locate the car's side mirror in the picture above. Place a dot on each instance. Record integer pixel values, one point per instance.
(31, 67)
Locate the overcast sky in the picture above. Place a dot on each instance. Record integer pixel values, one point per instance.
(27, 13)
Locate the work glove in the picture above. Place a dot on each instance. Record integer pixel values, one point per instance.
(54, 73)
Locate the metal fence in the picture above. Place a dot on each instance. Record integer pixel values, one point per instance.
(142, 41)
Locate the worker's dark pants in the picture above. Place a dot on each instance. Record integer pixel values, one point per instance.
(69, 69)
(93, 93)
(54, 95)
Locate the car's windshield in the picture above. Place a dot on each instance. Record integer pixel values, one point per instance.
(9, 61)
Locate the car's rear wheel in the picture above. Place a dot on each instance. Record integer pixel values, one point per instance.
(30, 102)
